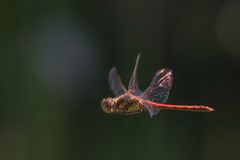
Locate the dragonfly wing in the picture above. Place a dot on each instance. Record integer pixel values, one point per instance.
(160, 87)
(115, 82)
(133, 83)
(151, 111)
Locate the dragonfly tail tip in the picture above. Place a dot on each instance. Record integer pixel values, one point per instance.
(211, 109)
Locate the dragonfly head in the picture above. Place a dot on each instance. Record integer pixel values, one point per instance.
(107, 105)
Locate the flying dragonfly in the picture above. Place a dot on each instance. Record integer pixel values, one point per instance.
(133, 100)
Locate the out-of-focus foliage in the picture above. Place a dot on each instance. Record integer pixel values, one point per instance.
(55, 57)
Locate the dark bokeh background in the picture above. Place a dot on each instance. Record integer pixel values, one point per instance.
(55, 58)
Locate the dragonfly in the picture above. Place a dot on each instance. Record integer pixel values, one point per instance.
(132, 100)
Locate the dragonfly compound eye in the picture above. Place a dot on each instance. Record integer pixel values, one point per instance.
(107, 105)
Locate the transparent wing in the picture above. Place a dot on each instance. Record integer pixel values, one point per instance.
(133, 83)
(160, 87)
(115, 82)
(152, 111)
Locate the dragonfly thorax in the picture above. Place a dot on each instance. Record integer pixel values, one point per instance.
(127, 104)
(124, 104)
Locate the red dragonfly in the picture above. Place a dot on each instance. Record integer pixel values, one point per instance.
(153, 99)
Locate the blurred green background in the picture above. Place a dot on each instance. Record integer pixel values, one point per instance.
(55, 58)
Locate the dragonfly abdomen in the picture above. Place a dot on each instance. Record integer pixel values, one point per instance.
(193, 108)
